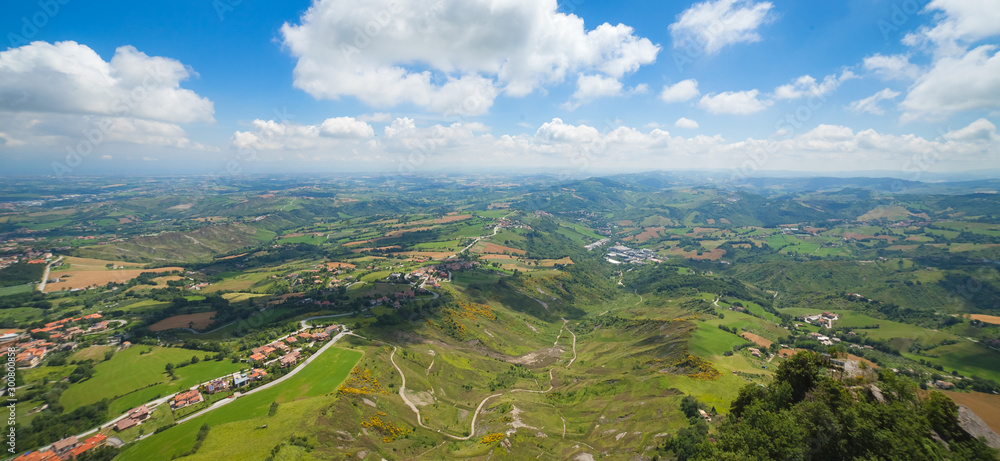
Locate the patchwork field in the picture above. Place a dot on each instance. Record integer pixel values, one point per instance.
(195, 321)
(986, 318)
(96, 278)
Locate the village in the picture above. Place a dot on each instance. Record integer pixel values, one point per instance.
(282, 352)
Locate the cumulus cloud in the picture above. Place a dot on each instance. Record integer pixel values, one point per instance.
(68, 77)
(451, 56)
(286, 135)
(954, 84)
(734, 102)
(687, 123)
(961, 22)
(871, 103)
(712, 25)
(584, 150)
(806, 85)
(892, 67)
(684, 90)
(981, 130)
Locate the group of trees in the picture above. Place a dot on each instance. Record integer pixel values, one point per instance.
(805, 414)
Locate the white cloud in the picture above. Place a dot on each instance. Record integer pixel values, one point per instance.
(981, 130)
(557, 131)
(710, 26)
(961, 22)
(892, 67)
(451, 56)
(285, 135)
(734, 102)
(584, 150)
(70, 78)
(687, 123)
(346, 127)
(684, 90)
(871, 103)
(806, 85)
(590, 87)
(954, 84)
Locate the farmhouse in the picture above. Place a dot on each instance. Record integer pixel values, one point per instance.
(281, 346)
(257, 374)
(140, 413)
(321, 336)
(754, 351)
(258, 357)
(186, 399)
(290, 359)
(219, 385)
(125, 423)
(63, 446)
(97, 441)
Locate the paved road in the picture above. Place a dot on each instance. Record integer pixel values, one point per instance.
(45, 276)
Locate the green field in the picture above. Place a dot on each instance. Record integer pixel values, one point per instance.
(299, 397)
(130, 371)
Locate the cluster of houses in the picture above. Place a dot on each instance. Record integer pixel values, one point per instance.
(824, 340)
(397, 298)
(234, 381)
(66, 449)
(434, 275)
(825, 319)
(283, 347)
(505, 223)
(629, 255)
(29, 256)
(54, 335)
(755, 352)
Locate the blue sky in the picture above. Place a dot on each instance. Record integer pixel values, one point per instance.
(579, 87)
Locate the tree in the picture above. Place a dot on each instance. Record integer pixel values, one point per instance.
(800, 371)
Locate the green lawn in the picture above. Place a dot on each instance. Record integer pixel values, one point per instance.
(16, 289)
(129, 371)
(235, 430)
(965, 357)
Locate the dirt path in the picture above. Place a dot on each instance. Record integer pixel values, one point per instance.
(431, 366)
(420, 421)
(574, 348)
(640, 298)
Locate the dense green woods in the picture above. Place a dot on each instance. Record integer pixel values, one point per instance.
(807, 413)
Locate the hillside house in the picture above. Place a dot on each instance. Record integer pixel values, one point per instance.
(63, 446)
(290, 359)
(256, 374)
(258, 357)
(240, 379)
(219, 385)
(754, 351)
(97, 441)
(125, 424)
(281, 347)
(185, 399)
(321, 337)
(140, 413)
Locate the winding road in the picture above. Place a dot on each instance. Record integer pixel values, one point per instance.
(475, 415)
(420, 421)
